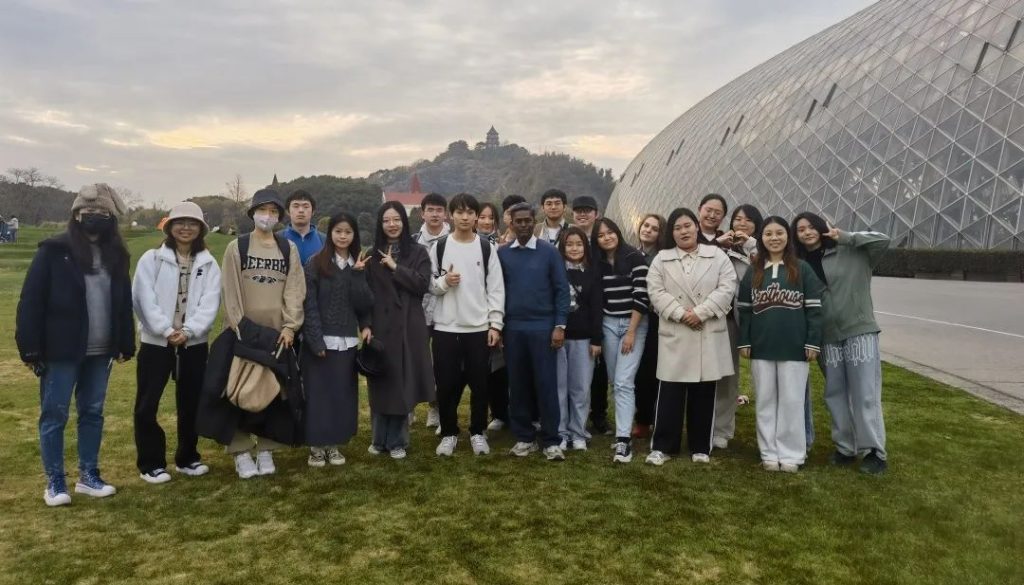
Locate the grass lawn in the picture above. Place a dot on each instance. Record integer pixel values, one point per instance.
(950, 509)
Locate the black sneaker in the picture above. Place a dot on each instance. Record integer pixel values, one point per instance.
(600, 426)
(623, 452)
(840, 460)
(873, 464)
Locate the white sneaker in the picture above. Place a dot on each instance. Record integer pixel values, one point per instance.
(334, 457)
(496, 425)
(579, 445)
(265, 463)
(700, 458)
(564, 445)
(789, 467)
(433, 417)
(657, 458)
(398, 453)
(623, 452)
(479, 444)
(720, 443)
(194, 469)
(554, 453)
(56, 499)
(447, 446)
(156, 476)
(770, 465)
(245, 466)
(317, 457)
(522, 449)
(373, 450)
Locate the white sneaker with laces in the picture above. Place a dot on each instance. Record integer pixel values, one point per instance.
(496, 425)
(657, 458)
(623, 452)
(245, 466)
(700, 458)
(156, 476)
(433, 417)
(194, 469)
(334, 457)
(564, 445)
(447, 446)
(522, 449)
(373, 450)
(398, 453)
(720, 443)
(479, 444)
(554, 453)
(317, 457)
(579, 445)
(265, 463)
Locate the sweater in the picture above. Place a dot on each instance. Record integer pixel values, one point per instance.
(261, 290)
(624, 285)
(585, 304)
(308, 245)
(474, 305)
(781, 320)
(847, 302)
(337, 305)
(536, 286)
(154, 296)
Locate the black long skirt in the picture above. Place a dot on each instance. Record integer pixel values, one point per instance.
(332, 397)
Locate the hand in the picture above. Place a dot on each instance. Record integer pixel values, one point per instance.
(557, 338)
(387, 260)
(364, 256)
(493, 337)
(595, 350)
(812, 354)
(833, 232)
(321, 354)
(745, 352)
(366, 335)
(691, 320)
(725, 239)
(452, 278)
(739, 238)
(628, 341)
(286, 338)
(177, 338)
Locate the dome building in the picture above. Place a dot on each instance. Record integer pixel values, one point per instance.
(906, 118)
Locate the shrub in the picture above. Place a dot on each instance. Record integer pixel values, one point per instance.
(965, 264)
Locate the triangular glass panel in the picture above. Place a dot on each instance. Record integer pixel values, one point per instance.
(941, 159)
(999, 101)
(999, 120)
(1009, 68)
(933, 195)
(921, 144)
(1004, 193)
(889, 196)
(980, 174)
(1010, 215)
(975, 233)
(960, 92)
(954, 212)
(969, 141)
(991, 156)
(1012, 154)
(931, 175)
(979, 90)
(967, 124)
(950, 243)
(961, 176)
(944, 229)
(951, 193)
(988, 138)
(949, 126)
(923, 233)
(999, 238)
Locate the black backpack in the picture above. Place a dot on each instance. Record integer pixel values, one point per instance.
(485, 249)
(282, 244)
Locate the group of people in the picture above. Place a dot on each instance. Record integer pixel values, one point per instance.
(9, 229)
(536, 316)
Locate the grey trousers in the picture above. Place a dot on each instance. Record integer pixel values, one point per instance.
(728, 389)
(390, 431)
(853, 395)
(575, 370)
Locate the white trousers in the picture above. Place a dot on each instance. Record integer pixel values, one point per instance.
(780, 388)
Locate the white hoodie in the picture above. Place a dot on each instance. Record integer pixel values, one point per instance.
(426, 240)
(155, 296)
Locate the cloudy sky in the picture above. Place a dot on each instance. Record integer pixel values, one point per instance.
(173, 98)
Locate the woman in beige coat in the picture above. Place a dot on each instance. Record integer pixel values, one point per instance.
(691, 288)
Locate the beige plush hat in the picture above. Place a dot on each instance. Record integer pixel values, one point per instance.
(186, 210)
(99, 195)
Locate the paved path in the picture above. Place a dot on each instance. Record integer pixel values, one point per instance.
(966, 334)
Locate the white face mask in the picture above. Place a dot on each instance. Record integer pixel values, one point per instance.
(264, 220)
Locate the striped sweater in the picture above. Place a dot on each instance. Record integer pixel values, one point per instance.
(780, 320)
(625, 284)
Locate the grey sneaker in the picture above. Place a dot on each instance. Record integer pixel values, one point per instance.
(317, 457)
(554, 453)
(398, 453)
(446, 448)
(479, 444)
(245, 466)
(265, 463)
(334, 457)
(91, 484)
(374, 450)
(522, 449)
(700, 458)
(579, 445)
(657, 458)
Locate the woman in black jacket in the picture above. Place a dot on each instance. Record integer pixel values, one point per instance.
(74, 319)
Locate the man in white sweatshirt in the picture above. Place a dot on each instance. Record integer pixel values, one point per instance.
(468, 318)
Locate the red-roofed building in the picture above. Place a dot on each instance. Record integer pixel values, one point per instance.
(409, 199)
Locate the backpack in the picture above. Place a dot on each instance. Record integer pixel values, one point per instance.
(485, 249)
(282, 244)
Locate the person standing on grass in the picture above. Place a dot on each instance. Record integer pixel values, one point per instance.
(624, 288)
(583, 338)
(739, 243)
(300, 231)
(337, 310)
(12, 227)
(536, 311)
(649, 233)
(584, 215)
(553, 202)
(74, 319)
(399, 276)
(470, 293)
(176, 295)
(853, 367)
(433, 207)
(780, 331)
(268, 290)
(691, 286)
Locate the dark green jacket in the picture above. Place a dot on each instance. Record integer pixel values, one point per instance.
(847, 302)
(780, 320)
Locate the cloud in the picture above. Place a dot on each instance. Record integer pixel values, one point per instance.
(55, 118)
(19, 139)
(121, 143)
(392, 150)
(603, 146)
(273, 134)
(86, 169)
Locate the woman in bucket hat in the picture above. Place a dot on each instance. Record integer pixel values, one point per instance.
(176, 295)
(74, 320)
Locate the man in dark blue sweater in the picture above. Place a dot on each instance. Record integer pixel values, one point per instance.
(536, 310)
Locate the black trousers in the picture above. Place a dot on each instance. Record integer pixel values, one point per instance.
(646, 394)
(461, 359)
(599, 393)
(154, 366)
(497, 393)
(694, 400)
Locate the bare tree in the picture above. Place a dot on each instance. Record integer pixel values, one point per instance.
(236, 189)
(53, 182)
(132, 199)
(30, 176)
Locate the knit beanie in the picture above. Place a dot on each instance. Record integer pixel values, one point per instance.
(99, 195)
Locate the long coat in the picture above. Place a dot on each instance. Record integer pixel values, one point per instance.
(399, 323)
(685, 355)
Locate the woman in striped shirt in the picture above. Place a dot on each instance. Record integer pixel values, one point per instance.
(624, 285)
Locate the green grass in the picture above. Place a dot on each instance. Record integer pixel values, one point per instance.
(948, 511)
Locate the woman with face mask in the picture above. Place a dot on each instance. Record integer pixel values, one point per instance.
(74, 320)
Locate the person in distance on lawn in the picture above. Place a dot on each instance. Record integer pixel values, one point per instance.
(176, 295)
(338, 309)
(536, 310)
(74, 319)
(691, 287)
(780, 331)
(468, 315)
(399, 276)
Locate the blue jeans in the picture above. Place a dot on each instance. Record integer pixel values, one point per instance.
(532, 368)
(622, 369)
(87, 379)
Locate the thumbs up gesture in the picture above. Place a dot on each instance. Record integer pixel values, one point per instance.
(452, 278)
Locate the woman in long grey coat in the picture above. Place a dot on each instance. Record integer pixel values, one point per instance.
(399, 274)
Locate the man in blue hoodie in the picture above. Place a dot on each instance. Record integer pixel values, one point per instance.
(536, 311)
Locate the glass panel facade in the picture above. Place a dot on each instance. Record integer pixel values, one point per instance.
(917, 130)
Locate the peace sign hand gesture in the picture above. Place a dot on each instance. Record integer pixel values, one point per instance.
(833, 232)
(364, 256)
(386, 259)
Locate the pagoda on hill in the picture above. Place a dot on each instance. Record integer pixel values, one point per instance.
(492, 139)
